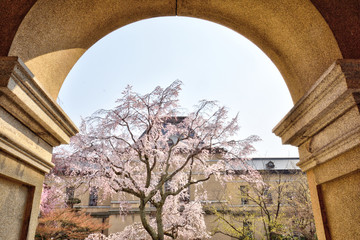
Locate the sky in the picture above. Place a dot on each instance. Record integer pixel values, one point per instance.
(212, 61)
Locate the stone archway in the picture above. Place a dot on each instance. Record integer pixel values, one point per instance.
(293, 35)
(303, 39)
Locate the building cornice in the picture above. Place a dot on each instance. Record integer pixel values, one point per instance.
(32, 123)
(325, 122)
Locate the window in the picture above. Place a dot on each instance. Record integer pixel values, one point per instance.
(244, 201)
(70, 197)
(70, 193)
(93, 198)
(270, 165)
(267, 195)
(244, 191)
(247, 229)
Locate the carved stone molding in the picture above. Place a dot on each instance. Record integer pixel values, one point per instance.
(31, 122)
(326, 121)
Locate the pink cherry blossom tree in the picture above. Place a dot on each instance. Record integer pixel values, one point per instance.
(54, 188)
(54, 194)
(51, 198)
(143, 148)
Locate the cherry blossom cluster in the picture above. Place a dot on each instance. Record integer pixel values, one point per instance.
(147, 148)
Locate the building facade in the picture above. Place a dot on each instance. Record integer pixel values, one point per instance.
(237, 200)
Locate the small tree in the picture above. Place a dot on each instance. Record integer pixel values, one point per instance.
(299, 207)
(141, 148)
(66, 223)
(54, 193)
(51, 198)
(281, 203)
(57, 219)
(233, 223)
(270, 198)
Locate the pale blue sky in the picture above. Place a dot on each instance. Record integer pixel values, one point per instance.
(212, 61)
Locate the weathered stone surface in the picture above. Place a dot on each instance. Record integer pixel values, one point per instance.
(323, 22)
(326, 121)
(325, 125)
(31, 124)
(20, 191)
(54, 34)
(341, 205)
(12, 206)
(23, 97)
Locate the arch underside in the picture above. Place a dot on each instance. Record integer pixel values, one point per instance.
(55, 34)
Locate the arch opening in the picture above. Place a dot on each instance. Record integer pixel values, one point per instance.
(212, 61)
(294, 35)
(135, 54)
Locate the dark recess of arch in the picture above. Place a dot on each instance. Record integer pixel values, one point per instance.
(343, 17)
(11, 15)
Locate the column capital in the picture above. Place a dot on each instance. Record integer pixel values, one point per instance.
(325, 122)
(32, 123)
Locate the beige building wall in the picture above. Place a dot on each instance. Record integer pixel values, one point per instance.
(219, 195)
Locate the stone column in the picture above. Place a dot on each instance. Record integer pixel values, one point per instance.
(31, 124)
(325, 125)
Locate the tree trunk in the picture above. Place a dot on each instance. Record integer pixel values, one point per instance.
(160, 227)
(145, 223)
